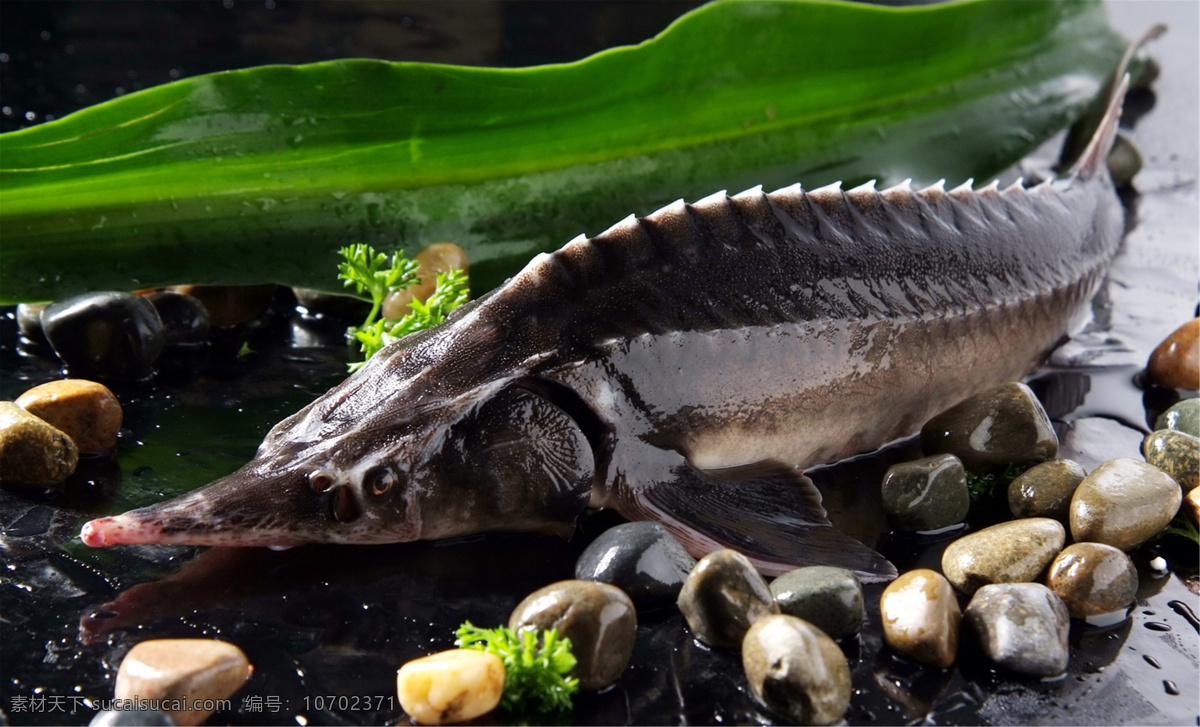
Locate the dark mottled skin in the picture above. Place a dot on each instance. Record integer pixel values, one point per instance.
(763, 332)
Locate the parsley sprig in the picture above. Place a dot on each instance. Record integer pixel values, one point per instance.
(373, 276)
(535, 681)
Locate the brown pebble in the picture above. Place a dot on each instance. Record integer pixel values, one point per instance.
(921, 617)
(1191, 505)
(86, 411)
(1093, 579)
(170, 669)
(1175, 364)
(32, 451)
(440, 257)
(229, 305)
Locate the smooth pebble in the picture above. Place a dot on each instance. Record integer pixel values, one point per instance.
(642, 558)
(185, 319)
(131, 718)
(1175, 363)
(599, 619)
(439, 257)
(169, 669)
(926, 494)
(450, 686)
(1184, 417)
(1045, 490)
(1021, 626)
(921, 618)
(1010, 552)
(1003, 426)
(84, 410)
(796, 670)
(230, 305)
(1175, 453)
(829, 598)
(109, 335)
(1093, 579)
(722, 597)
(1123, 503)
(33, 452)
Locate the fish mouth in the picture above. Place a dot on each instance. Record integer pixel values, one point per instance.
(144, 527)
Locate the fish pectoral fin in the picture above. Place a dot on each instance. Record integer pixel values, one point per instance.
(774, 518)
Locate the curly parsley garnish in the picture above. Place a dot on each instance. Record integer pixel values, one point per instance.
(535, 681)
(374, 277)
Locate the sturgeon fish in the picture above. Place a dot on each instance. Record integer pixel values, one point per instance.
(683, 367)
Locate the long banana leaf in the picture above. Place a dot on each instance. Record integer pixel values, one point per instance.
(261, 174)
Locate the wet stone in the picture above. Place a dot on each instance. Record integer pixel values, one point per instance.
(106, 335)
(169, 669)
(84, 410)
(451, 686)
(643, 559)
(829, 598)
(1093, 579)
(1045, 490)
(992, 430)
(1012, 552)
(1124, 161)
(1191, 505)
(927, 494)
(1123, 503)
(1175, 453)
(229, 305)
(1182, 417)
(1021, 626)
(722, 597)
(599, 619)
(29, 321)
(131, 718)
(1175, 363)
(32, 452)
(440, 257)
(796, 670)
(317, 301)
(184, 318)
(921, 617)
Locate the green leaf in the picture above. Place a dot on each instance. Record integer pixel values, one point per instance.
(263, 174)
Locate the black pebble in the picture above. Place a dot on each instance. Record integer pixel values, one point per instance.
(641, 558)
(185, 319)
(105, 335)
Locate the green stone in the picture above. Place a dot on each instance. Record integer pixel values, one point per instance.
(1175, 453)
(1045, 490)
(829, 598)
(926, 494)
(1183, 417)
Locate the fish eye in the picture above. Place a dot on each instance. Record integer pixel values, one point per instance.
(378, 480)
(320, 481)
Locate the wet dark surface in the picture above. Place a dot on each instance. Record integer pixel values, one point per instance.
(326, 627)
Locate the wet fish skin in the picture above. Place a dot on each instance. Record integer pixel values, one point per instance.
(682, 367)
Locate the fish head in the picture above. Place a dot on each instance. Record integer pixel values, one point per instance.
(405, 467)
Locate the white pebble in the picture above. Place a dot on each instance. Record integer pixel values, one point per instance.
(451, 686)
(1159, 565)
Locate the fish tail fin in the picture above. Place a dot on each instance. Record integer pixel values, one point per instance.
(774, 518)
(1095, 154)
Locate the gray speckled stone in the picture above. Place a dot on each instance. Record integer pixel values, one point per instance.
(1045, 490)
(796, 670)
(722, 597)
(1021, 626)
(1183, 417)
(829, 598)
(1011, 552)
(1004, 426)
(1093, 579)
(926, 494)
(641, 558)
(1177, 454)
(599, 619)
(1123, 503)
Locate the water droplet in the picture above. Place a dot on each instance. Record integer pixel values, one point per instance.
(1152, 661)
(1157, 626)
(1170, 687)
(44, 35)
(30, 116)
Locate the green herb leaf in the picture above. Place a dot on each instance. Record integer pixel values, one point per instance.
(981, 485)
(363, 270)
(1183, 526)
(535, 682)
(260, 175)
